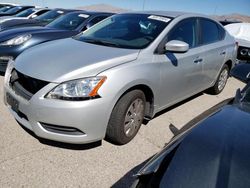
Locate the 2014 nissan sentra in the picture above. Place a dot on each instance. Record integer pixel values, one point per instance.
(105, 81)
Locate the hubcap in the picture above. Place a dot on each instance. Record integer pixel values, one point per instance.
(222, 79)
(134, 117)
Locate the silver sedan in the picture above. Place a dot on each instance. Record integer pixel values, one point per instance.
(104, 82)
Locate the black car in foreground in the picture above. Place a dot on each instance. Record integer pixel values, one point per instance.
(41, 20)
(15, 10)
(15, 41)
(211, 151)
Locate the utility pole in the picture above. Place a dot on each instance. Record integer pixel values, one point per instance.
(143, 5)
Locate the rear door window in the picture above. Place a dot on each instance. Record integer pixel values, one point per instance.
(210, 31)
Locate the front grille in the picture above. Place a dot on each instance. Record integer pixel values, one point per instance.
(25, 86)
(62, 129)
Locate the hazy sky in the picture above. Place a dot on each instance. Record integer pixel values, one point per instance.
(218, 7)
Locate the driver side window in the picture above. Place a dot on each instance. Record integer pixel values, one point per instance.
(185, 31)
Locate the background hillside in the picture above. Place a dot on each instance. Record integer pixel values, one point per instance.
(236, 17)
(103, 7)
(110, 8)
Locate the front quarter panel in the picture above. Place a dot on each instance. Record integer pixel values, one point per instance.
(124, 77)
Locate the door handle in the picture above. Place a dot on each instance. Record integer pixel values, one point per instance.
(223, 53)
(198, 60)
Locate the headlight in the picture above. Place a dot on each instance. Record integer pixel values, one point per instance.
(17, 40)
(77, 89)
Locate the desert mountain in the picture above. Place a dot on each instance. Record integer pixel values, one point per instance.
(110, 8)
(103, 7)
(234, 17)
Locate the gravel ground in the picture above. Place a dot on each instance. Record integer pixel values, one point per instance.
(27, 162)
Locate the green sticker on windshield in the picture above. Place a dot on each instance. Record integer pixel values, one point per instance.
(159, 18)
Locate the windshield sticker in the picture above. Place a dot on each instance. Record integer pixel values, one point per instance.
(83, 15)
(60, 12)
(159, 18)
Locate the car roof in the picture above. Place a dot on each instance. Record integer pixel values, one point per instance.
(24, 6)
(41, 8)
(66, 10)
(172, 14)
(92, 12)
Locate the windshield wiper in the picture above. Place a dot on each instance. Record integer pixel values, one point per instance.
(101, 42)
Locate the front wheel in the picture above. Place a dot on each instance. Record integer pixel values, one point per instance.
(220, 82)
(126, 118)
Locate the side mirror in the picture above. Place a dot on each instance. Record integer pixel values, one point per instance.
(176, 46)
(241, 72)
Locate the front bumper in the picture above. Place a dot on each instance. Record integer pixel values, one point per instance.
(90, 117)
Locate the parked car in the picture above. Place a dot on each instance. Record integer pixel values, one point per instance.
(26, 14)
(7, 4)
(41, 20)
(241, 32)
(15, 41)
(5, 8)
(106, 80)
(210, 151)
(15, 10)
(226, 22)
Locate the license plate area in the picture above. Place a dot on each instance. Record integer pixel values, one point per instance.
(14, 104)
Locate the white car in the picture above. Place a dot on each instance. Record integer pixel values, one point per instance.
(241, 33)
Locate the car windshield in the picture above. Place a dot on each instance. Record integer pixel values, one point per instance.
(69, 21)
(50, 16)
(4, 9)
(26, 13)
(132, 31)
(14, 10)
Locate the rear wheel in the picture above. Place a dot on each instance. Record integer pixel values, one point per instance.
(126, 118)
(220, 82)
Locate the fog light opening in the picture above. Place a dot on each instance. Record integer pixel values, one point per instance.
(244, 52)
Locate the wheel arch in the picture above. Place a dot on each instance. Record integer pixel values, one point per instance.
(148, 92)
(229, 63)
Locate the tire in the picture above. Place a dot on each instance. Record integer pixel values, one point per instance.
(220, 82)
(123, 123)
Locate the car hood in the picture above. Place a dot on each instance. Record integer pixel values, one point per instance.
(11, 33)
(68, 59)
(215, 152)
(18, 22)
(5, 18)
(241, 32)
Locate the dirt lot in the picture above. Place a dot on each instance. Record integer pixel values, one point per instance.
(26, 162)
